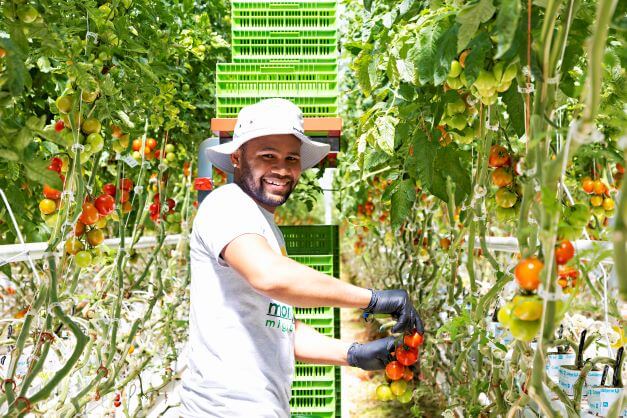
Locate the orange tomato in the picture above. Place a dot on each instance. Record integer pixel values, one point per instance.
(527, 273)
(394, 370)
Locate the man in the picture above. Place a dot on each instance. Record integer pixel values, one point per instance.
(243, 338)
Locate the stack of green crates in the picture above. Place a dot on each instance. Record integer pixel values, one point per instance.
(316, 389)
(284, 48)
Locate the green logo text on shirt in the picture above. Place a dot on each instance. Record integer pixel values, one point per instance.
(281, 317)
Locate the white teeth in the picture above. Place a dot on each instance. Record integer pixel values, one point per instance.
(275, 183)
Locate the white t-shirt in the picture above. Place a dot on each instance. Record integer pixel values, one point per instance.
(241, 358)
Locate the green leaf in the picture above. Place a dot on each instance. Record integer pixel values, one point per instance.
(375, 159)
(384, 133)
(448, 162)
(475, 61)
(506, 25)
(446, 54)
(402, 201)
(9, 155)
(426, 50)
(361, 66)
(23, 138)
(470, 17)
(515, 108)
(17, 75)
(36, 170)
(432, 164)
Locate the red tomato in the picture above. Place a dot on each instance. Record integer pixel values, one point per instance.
(408, 375)
(498, 156)
(395, 370)
(413, 340)
(137, 144)
(154, 208)
(109, 189)
(59, 126)
(564, 251)
(126, 207)
(502, 177)
(151, 142)
(406, 355)
(51, 193)
(124, 196)
(158, 154)
(620, 168)
(126, 184)
(527, 273)
(105, 204)
(587, 184)
(89, 216)
(171, 203)
(79, 229)
(57, 163)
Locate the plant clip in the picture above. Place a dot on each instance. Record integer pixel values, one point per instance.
(92, 35)
(8, 381)
(78, 147)
(138, 189)
(104, 370)
(527, 89)
(24, 399)
(553, 296)
(553, 80)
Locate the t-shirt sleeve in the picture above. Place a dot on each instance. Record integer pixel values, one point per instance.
(225, 218)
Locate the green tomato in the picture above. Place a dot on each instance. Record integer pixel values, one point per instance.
(527, 308)
(170, 156)
(569, 232)
(384, 393)
(456, 69)
(524, 330)
(406, 397)
(51, 220)
(117, 147)
(170, 218)
(510, 72)
(506, 214)
(456, 107)
(64, 103)
(506, 198)
(82, 259)
(177, 217)
(91, 125)
(464, 80)
(96, 141)
(504, 314)
(497, 71)
(169, 148)
(398, 387)
(485, 81)
(27, 13)
(454, 83)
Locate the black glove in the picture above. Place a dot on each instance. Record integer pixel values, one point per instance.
(397, 303)
(374, 355)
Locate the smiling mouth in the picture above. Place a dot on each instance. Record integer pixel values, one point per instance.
(277, 184)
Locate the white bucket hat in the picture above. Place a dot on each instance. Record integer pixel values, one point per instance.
(268, 117)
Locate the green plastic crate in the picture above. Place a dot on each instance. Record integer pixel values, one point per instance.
(314, 313)
(262, 80)
(229, 107)
(312, 240)
(264, 44)
(285, 60)
(314, 372)
(283, 14)
(313, 404)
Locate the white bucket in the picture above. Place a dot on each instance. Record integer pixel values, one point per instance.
(567, 380)
(601, 399)
(593, 378)
(555, 360)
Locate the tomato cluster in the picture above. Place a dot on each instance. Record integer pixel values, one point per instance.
(52, 197)
(89, 231)
(601, 202)
(504, 178)
(523, 313)
(399, 372)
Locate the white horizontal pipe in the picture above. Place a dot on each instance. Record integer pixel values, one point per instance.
(510, 245)
(20, 252)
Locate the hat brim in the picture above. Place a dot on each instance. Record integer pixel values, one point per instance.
(311, 152)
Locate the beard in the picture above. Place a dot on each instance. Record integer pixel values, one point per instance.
(257, 188)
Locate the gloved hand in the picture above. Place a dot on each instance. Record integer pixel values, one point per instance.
(397, 303)
(374, 355)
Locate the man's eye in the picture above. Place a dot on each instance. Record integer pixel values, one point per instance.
(268, 156)
(293, 159)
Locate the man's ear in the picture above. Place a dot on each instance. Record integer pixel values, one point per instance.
(235, 157)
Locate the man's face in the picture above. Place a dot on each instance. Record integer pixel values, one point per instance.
(268, 168)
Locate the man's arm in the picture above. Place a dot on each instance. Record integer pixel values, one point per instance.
(312, 347)
(288, 281)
